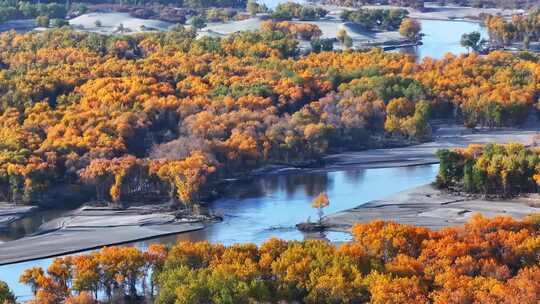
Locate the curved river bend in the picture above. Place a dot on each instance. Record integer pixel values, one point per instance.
(271, 205)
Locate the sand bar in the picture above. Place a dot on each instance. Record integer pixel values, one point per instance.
(432, 208)
(446, 136)
(90, 228)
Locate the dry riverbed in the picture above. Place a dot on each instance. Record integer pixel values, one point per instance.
(89, 228)
(432, 208)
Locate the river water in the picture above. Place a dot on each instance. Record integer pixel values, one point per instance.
(270, 205)
(441, 37)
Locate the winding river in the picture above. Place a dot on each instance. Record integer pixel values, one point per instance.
(270, 205)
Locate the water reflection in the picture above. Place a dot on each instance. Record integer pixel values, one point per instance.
(441, 37)
(270, 206)
(28, 225)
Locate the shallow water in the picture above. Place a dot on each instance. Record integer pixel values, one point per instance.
(441, 37)
(29, 224)
(270, 206)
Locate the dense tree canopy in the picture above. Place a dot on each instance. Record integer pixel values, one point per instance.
(292, 10)
(491, 169)
(115, 112)
(381, 19)
(523, 28)
(28, 9)
(418, 4)
(485, 261)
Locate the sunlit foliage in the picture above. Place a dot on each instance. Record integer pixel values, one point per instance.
(485, 261)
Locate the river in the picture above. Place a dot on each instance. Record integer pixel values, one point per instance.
(441, 37)
(270, 205)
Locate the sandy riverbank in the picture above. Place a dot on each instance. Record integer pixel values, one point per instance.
(446, 136)
(110, 22)
(330, 26)
(89, 228)
(429, 207)
(426, 206)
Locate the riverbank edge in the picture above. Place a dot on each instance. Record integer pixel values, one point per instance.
(432, 208)
(14, 260)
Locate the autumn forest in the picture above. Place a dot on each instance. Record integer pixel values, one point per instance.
(486, 261)
(167, 115)
(112, 122)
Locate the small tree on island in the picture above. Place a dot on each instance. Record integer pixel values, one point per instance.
(319, 203)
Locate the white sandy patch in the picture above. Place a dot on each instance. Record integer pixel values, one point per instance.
(227, 28)
(329, 28)
(111, 21)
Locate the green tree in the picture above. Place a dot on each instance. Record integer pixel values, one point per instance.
(59, 22)
(83, 9)
(411, 28)
(197, 22)
(471, 41)
(348, 42)
(254, 8)
(322, 45)
(42, 21)
(6, 296)
(468, 177)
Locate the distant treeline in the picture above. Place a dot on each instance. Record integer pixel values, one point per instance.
(27, 10)
(178, 3)
(522, 28)
(419, 4)
(369, 19)
(292, 10)
(358, 3)
(12, 9)
(502, 170)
